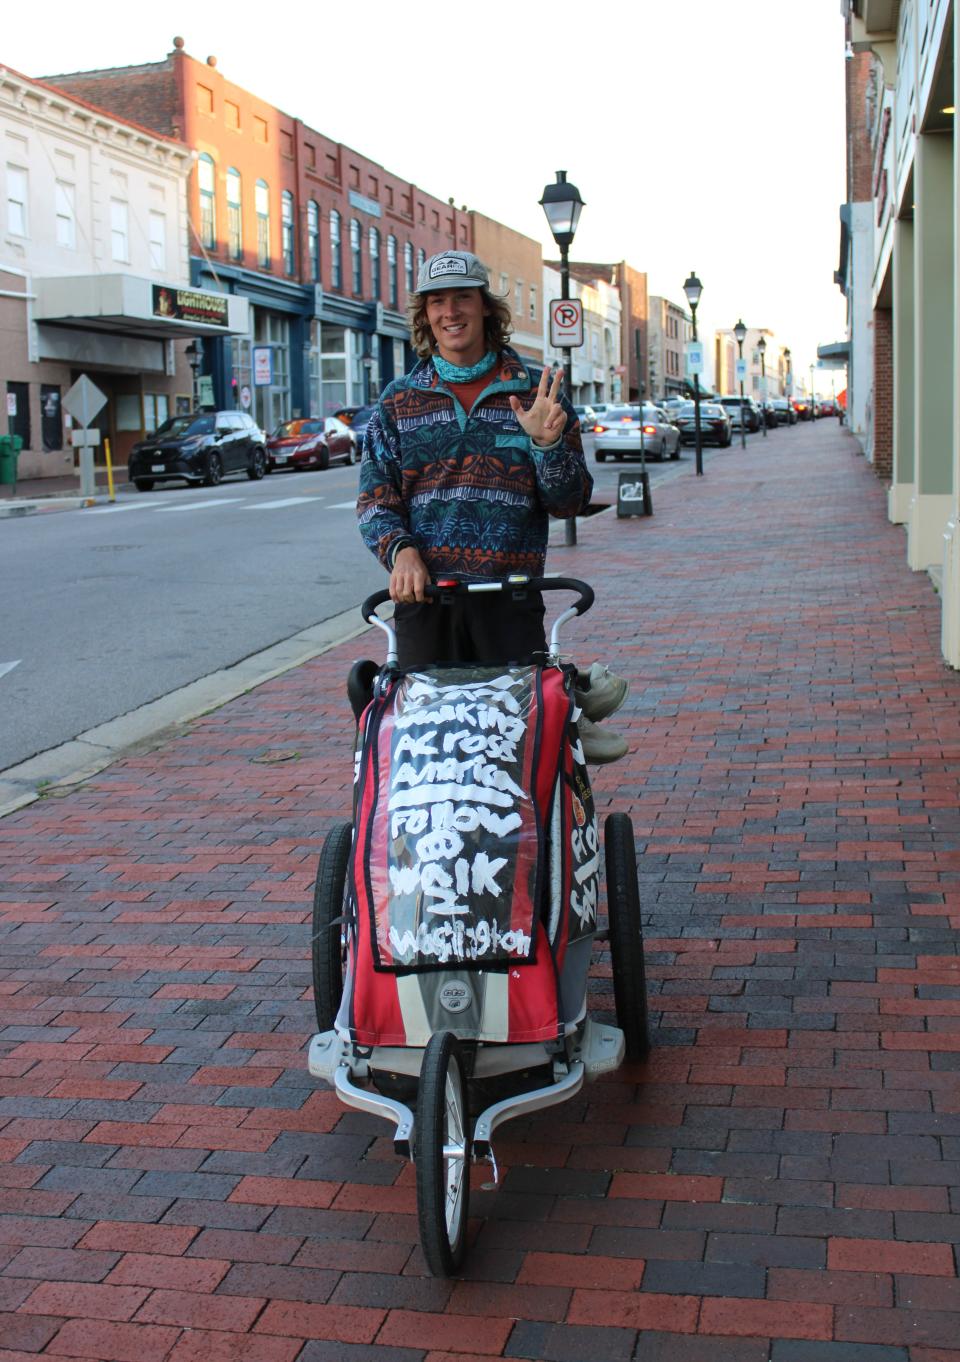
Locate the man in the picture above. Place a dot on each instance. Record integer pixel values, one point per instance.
(464, 459)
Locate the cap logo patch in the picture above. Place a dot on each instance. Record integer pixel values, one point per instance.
(447, 264)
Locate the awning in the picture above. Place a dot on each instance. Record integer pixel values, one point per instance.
(836, 355)
(129, 305)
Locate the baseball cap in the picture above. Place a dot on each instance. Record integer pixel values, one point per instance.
(452, 269)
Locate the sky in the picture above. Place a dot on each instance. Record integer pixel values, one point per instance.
(701, 135)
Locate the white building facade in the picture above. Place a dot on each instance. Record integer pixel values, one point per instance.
(94, 274)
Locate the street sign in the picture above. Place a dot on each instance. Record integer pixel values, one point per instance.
(245, 398)
(84, 401)
(80, 438)
(741, 371)
(262, 366)
(694, 354)
(11, 404)
(566, 323)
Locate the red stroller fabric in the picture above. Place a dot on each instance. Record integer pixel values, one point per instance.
(470, 867)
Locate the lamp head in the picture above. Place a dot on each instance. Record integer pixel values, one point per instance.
(762, 345)
(693, 288)
(740, 331)
(561, 202)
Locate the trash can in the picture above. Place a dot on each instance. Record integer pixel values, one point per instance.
(10, 446)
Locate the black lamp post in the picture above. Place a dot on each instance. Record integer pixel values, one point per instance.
(194, 359)
(693, 288)
(762, 347)
(561, 202)
(740, 331)
(787, 381)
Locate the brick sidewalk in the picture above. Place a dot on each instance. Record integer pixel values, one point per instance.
(779, 1182)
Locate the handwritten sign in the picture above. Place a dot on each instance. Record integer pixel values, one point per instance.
(457, 879)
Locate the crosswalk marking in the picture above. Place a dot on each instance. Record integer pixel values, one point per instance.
(8, 666)
(344, 505)
(197, 505)
(283, 501)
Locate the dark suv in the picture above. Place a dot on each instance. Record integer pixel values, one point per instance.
(200, 447)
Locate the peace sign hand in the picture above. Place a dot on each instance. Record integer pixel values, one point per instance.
(545, 420)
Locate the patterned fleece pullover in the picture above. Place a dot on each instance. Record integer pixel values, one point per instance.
(469, 490)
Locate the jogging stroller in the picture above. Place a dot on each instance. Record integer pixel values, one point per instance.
(454, 919)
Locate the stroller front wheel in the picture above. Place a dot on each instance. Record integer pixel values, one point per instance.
(442, 1152)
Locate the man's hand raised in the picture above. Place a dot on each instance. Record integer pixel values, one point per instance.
(545, 420)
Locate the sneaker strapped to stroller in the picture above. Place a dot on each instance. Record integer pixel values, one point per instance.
(455, 917)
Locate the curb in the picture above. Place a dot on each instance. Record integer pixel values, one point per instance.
(74, 761)
(9, 510)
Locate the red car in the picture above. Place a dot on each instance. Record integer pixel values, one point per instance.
(311, 442)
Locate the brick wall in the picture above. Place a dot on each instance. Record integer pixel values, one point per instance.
(883, 393)
(146, 95)
(859, 150)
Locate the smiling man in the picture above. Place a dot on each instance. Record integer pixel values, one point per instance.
(464, 460)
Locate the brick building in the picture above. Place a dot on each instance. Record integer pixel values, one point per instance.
(515, 263)
(322, 241)
(670, 326)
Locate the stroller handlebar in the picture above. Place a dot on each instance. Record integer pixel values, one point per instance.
(444, 591)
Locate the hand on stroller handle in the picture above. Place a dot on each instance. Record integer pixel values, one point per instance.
(446, 591)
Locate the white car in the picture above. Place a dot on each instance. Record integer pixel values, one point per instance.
(622, 433)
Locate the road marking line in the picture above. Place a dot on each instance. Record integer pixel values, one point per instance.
(200, 505)
(343, 505)
(9, 666)
(283, 501)
(132, 506)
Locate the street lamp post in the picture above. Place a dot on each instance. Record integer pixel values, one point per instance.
(813, 402)
(693, 289)
(561, 202)
(194, 360)
(787, 382)
(740, 331)
(762, 347)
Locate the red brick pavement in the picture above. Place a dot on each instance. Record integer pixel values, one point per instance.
(780, 1181)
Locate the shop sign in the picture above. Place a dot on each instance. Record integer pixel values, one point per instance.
(245, 397)
(364, 204)
(205, 390)
(190, 305)
(262, 366)
(11, 404)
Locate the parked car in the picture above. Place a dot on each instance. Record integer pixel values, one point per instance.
(672, 406)
(715, 425)
(804, 408)
(769, 415)
(751, 412)
(199, 447)
(621, 431)
(587, 415)
(785, 412)
(311, 442)
(356, 418)
(828, 406)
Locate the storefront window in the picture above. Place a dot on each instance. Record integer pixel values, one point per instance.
(374, 240)
(286, 225)
(313, 240)
(392, 270)
(355, 256)
(408, 265)
(336, 270)
(262, 205)
(207, 176)
(234, 214)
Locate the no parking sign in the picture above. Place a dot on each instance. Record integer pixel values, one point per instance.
(566, 323)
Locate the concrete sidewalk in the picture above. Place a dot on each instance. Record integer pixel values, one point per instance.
(778, 1184)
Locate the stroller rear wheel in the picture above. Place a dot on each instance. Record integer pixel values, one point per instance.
(626, 934)
(328, 907)
(442, 1151)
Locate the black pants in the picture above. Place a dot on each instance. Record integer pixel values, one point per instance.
(489, 630)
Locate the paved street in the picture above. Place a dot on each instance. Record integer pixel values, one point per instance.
(146, 595)
(777, 1184)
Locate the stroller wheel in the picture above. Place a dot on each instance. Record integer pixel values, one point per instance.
(626, 934)
(328, 907)
(442, 1152)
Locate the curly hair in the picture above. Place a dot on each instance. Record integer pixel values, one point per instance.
(497, 323)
